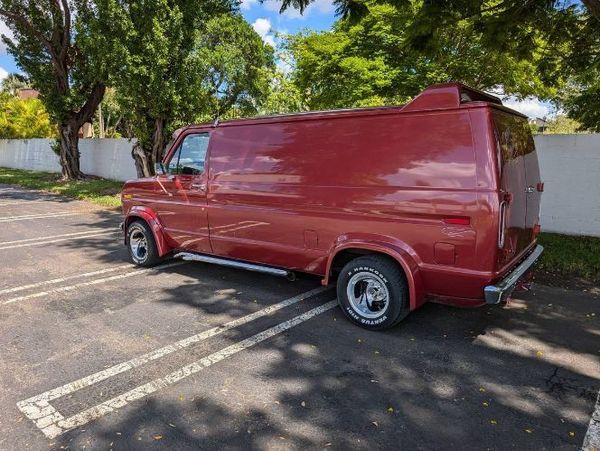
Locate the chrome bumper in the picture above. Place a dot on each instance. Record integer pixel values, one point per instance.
(495, 294)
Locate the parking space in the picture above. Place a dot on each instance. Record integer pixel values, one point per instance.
(100, 354)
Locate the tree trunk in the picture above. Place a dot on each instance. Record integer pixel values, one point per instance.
(158, 141)
(146, 158)
(142, 157)
(69, 133)
(69, 150)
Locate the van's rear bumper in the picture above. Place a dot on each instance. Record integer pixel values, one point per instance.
(497, 293)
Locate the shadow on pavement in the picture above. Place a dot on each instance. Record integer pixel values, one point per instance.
(444, 377)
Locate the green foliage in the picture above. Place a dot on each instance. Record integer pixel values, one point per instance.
(108, 121)
(562, 124)
(368, 62)
(155, 68)
(99, 191)
(234, 67)
(24, 118)
(43, 37)
(525, 48)
(13, 83)
(283, 96)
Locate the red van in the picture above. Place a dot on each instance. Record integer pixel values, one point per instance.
(434, 200)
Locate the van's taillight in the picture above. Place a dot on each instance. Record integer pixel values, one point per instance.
(459, 221)
(502, 224)
(540, 187)
(537, 229)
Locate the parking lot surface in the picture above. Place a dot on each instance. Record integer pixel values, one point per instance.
(99, 354)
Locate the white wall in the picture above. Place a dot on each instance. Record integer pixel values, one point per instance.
(570, 169)
(108, 158)
(569, 164)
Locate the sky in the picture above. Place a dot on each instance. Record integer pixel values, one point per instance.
(266, 21)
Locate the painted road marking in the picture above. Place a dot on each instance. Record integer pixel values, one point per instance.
(591, 440)
(23, 202)
(74, 236)
(39, 216)
(64, 279)
(47, 237)
(91, 282)
(52, 423)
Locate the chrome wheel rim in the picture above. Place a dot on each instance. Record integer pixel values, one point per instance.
(368, 295)
(138, 244)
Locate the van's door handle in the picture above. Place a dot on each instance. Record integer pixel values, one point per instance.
(198, 186)
(530, 189)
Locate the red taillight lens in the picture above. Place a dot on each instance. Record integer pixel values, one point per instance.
(537, 229)
(540, 187)
(459, 221)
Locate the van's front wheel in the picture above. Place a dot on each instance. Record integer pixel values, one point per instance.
(372, 292)
(141, 244)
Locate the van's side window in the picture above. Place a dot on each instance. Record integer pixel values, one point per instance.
(190, 156)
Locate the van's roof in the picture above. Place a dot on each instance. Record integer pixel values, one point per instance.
(435, 97)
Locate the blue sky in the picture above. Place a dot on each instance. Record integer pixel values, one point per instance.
(266, 20)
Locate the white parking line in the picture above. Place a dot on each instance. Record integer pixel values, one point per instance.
(23, 202)
(591, 440)
(52, 423)
(47, 237)
(91, 282)
(64, 279)
(73, 236)
(39, 216)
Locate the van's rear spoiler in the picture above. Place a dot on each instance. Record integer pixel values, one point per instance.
(448, 95)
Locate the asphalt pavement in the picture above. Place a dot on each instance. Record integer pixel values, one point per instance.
(99, 354)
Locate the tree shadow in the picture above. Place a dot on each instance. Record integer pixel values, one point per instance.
(444, 377)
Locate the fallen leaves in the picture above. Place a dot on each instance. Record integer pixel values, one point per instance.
(494, 422)
(157, 437)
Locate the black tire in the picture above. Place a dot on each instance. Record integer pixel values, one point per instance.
(138, 232)
(377, 275)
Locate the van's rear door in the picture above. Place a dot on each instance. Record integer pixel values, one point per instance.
(519, 184)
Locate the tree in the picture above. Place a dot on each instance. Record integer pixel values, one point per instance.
(235, 67)
(559, 39)
(365, 61)
(24, 118)
(13, 83)
(153, 71)
(562, 124)
(283, 96)
(59, 45)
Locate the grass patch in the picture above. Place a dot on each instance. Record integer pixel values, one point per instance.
(566, 255)
(99, 191)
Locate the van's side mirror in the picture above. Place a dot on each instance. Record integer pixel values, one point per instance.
(159, 168)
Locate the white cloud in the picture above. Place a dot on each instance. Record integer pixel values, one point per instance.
(262, 26)
(6, 32)
(247, 4)
(317, 6)
(530, 106)
(3, 74)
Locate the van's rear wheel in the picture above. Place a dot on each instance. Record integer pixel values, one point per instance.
(141, 244)
(372, 292)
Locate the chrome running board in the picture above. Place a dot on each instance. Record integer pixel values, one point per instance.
(189, 256)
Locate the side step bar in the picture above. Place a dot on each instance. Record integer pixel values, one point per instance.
(189, 256)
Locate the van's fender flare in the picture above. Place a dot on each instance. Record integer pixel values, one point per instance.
(148, 215)
(398, 250)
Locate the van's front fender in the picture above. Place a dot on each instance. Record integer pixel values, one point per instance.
(148, 215)
(396, 249)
